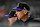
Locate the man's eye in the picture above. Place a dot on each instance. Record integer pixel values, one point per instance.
(18, 11)
(10, 17)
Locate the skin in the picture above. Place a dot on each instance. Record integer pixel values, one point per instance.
(20, 15)
(11, 20)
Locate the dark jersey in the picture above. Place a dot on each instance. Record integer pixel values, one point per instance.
(21, 22)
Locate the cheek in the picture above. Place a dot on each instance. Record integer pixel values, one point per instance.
(20, 14)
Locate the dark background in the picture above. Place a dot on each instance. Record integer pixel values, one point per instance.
(9, 4)
(33, 4)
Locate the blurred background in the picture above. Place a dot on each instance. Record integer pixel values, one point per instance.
(7, 5)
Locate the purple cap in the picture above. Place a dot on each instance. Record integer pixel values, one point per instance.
(8, 16)
(18, 9)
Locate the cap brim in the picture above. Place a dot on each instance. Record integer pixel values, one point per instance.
(8, 16)
(18, 9)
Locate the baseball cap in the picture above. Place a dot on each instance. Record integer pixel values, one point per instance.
(18, 9)
(22, 6)
(11, 14)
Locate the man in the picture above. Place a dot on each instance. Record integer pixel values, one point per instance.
(21, 13)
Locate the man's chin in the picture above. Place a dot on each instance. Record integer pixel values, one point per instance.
(19, 17)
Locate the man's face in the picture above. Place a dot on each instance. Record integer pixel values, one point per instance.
(20, 14)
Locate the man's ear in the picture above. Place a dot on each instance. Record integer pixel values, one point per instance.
(25, 11)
